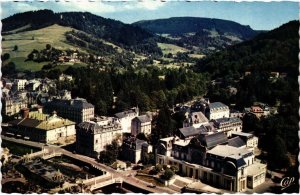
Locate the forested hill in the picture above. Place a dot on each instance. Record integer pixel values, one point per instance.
(111, 30)
(276, 50)
(182, 25)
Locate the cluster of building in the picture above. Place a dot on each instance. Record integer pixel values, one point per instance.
(212, 147)
(23, 93)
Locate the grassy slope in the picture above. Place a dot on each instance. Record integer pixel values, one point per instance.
(170, 48)
(53, 35)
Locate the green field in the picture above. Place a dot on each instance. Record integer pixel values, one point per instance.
(36, 39)
(170, 48)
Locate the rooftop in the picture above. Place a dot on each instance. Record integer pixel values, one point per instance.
(199, 116)
(236, 142)
(143, 118)
(228, 151)
(255, 168)
(189, 131)
(243, 134)
(217, 105)
(125, 113)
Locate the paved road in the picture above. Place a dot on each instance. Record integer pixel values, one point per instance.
(131, 180)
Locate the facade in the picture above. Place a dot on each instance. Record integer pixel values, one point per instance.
(210, 158)
(228, 125)
(12, 106)
(195, 119)
(141, 124)
(92, 138)
(77, 110)
(250, 140)
(126, 118)
(217, 110)
(19, 84)
(42, 128)
(133, 149)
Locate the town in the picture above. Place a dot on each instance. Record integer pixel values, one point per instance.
(210, 153)
(149, 97)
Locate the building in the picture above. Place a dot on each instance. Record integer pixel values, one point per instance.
(141, 124)
(64, 77)
(126, 118)
(12, 106)
(134, 150)
(210, 158)
(257, 111)
(217, 110)
(77, 110)
(195, 119)
(19, 84)
(250, 140)
(41, 127)
(92, 137)
(228, 125)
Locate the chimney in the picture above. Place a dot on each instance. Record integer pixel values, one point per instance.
(25, 112)
(40, 109)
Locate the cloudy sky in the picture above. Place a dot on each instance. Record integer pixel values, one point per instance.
(259, 15)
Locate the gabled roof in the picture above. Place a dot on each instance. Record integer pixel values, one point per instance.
(236, 142)
(212, 140)
(217, 105)
(143, 118)
(189, 131)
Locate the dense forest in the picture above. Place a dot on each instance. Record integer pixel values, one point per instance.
(274, 51)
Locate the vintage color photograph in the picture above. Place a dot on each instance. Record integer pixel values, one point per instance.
(149, 97)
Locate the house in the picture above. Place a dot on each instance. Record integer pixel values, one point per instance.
(195, 119)
(12, 106)
(217, 110)
(250, 140)
(257, 111)
(126, 117)
(19, 84)
(92, 138)
(141, 124)
(228, 125)
(133, 149)
(64, 77)
(77, 110)
(214, 160)
(41, 127)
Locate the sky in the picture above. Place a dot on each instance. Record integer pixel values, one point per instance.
(259, 15)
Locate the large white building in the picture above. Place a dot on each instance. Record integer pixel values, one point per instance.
(41, 127)
(141, 124)
(20, 84)
(126, 118)
(217, 110)
(93, 136)
(214, 160)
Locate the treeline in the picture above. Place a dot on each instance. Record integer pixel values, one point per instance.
(150, 89)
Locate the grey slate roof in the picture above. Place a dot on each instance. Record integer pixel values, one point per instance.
(143, 118)
(189, 131)
(230, 120)
(76, 103)
(217, 105)
(212, 140)
(123, 114)
(236, 142)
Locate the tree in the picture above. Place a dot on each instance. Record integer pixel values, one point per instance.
(48, 46)
(158, 168)
(15, 48)
(168, 174)
(5, 57)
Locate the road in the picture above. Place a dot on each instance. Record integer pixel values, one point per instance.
(115, 174)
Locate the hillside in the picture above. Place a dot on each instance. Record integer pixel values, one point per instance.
(206, 34)
(276, 50)
(116, 32)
